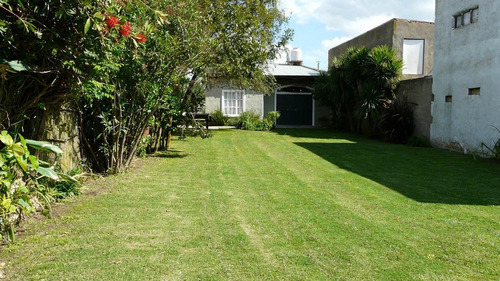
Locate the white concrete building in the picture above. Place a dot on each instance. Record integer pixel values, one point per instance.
(466, 105)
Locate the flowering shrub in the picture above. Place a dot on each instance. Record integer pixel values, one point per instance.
(140, 38)
(119, 83)
(112, 21)
(125, 29)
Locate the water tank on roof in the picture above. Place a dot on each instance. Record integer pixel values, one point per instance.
(296, 56)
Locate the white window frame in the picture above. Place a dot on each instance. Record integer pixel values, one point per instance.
(223, 108)
(420, 64)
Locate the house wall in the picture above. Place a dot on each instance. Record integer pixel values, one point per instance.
(262, 104)
(419, 93)
(392, 34)
(466, 57)
(323, 115)
(269, 103)
(253, 101)
(408, 29)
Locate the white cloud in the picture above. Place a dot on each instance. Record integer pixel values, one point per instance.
(358, 26)
(310, 58)
(354, 17)
(321, 55)
(328, 44)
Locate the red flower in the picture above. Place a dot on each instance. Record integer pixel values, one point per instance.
(125, 29)
(140, 38)
(112, 21)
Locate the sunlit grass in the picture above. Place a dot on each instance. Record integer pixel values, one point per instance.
(291, 205)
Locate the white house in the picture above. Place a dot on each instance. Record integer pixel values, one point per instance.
(293, 99)
(466, 104)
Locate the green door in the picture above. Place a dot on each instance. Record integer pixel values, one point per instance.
(295, 109)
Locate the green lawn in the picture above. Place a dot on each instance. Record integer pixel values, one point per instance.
(291, 205)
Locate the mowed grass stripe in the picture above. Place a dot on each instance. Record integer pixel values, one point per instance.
(291, 205)
(314, 200)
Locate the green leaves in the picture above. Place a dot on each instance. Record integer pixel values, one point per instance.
(17, 66)
(6, 139)
(22, 162)
(7, 205)
(48, 172)
(14, 65)
(88, 25)
(17, 149)
(34, 162)
(45, 146)
(20, 173)
(23, 203)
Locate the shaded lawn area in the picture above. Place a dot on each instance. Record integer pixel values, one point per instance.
(291, 205)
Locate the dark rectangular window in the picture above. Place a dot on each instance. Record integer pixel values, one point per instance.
(466, 17)
(475, 15)
(448, 99)
(474, 91)
(458, 21)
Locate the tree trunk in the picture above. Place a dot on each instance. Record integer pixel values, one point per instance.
(157, 139)
(137, 138)
(169, 133)
(189, 92)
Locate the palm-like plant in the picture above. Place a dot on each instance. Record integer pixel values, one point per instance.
(382, 72)
(397, 120)
(384, 67)
(361, 83)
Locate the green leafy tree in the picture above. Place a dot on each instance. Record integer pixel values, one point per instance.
(38, 42)
(124, 61)
(187, 45)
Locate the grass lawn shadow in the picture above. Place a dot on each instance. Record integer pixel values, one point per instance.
(426, 175)
(310, 133)
(170, 154)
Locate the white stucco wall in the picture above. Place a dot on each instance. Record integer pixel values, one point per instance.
(464, 58)
(253, 101)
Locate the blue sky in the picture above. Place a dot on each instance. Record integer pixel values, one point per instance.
(322, 24)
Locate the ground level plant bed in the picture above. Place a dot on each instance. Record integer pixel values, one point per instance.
(286, 205)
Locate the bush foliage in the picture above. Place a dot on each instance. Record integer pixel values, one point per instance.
(250, 120)
(23, 179)
(397, 120)
(219, 119)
